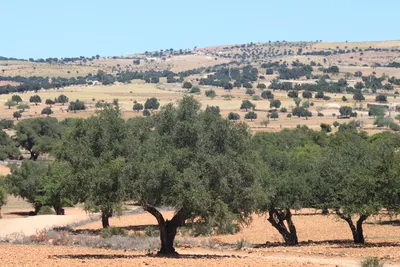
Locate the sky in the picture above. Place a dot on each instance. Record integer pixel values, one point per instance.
(49, 28)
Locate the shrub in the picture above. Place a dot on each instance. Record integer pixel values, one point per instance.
(46, 210)
(283, 110)
(242, 243)
(233, 116)
(195, 90)
(371, 262)
(394, 126)
(211, 93)
(112, 231)
(187, 85)
(146, 113)
(256, 97)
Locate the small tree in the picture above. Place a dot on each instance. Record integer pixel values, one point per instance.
(335, 124)
(187, 85)
(35, 99)
(50, 102)
(77, 105)
(345, 111)
(195, 90)
(301, 112)
(293, 94)
(62, 99)
(146, 113)
(210, 93)
(47, 111)
(319, 95)
(275, 103)
(358, 96)
(22, 107)
(152, 103)
(267, 94)
(326, 127)
(10, 104)
(376, 111)
(274, 115)
(16, 98)
(261, 86)
(246, 104)
(233, 116)
(265, 123)
(137, 107)
(381, 98)
(344, 98)
(251, 116)
(17, 115)
(307, 94)
(250, 91)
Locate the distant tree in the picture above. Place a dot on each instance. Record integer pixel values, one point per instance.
(195, 90)
(293, 94)
(35, 99)
(187, 85)
(10, 104)
(283, 110)
(152, 103)
(47, 111)
(376, 111)
(247, 85)
(233, 116)
(301, 112)
(210, 93)
(251, 116)
(3, 198)
(358, 74)
(336, 124)
(381, 98)
(62, 99)
(267, 94)
(22, 107)
(275, 103)
(326, 127)
(344, 98)
(297, 102)
(359, 86)
(146, 113)
(265, 123)
(213, 109)
(319, 95)
(345, 111)
(16, 98)
(307, 94)
(137, 107)
(358, 96)
(77, 105)
(274, 115)
(49, 102)
(17, 115)
(246, 104)
(261, 86)
(250, 91)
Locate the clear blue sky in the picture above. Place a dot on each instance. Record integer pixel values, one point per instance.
(51, 28)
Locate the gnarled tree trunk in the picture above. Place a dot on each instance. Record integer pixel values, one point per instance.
(357, 229)
(168, 228)
(277, 218)
(105, 216)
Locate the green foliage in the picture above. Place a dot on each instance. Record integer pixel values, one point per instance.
(274, 115)
(344, 98)
(376, 111)
(345, 111)
(146, 113)
(293, 94)
(6, 124)
(283, 110)
(10, 103)
(112, 231)
(77, 105)
(261, 86)
(267, 94)
(47, 111)
(62, 99)
(250, 91)
(17, 115)
(233, 116)
(49, 102)
(301, 112)
(265, 123)
(394, 126)
(246, 104)
(22, 107)
(274, 103)
(371, 262)
(381, 98)
(137, 107)
(3, 198)
(152, 104)
(210, 93)
(251, 116)
(358, 96)
(35, 99)
(326, 127)
(187, 85)
(335, 124)
(213, 109)
(195, 90)
(256, 97)
(16, 98)
(381, 121)
(319, 95)
(307, 94)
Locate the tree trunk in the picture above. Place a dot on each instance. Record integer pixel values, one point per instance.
(356, 230)
(168, 229)
(277, 218)
(105, 216)
(34, 155)
(59, 210)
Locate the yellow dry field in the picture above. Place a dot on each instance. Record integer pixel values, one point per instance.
(140, 91)
(28, 69)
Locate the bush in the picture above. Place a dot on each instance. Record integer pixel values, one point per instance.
(211, 93)
(112, 231)
(195, 90)
(394, 127)
(146, 113)
(371, 262)
(46, 210)
(233, 116)
(256, 97)
(283, 110)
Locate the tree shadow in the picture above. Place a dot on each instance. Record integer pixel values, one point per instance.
(21, 213)
(121, 256)
(341, 243)
(392, 223)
